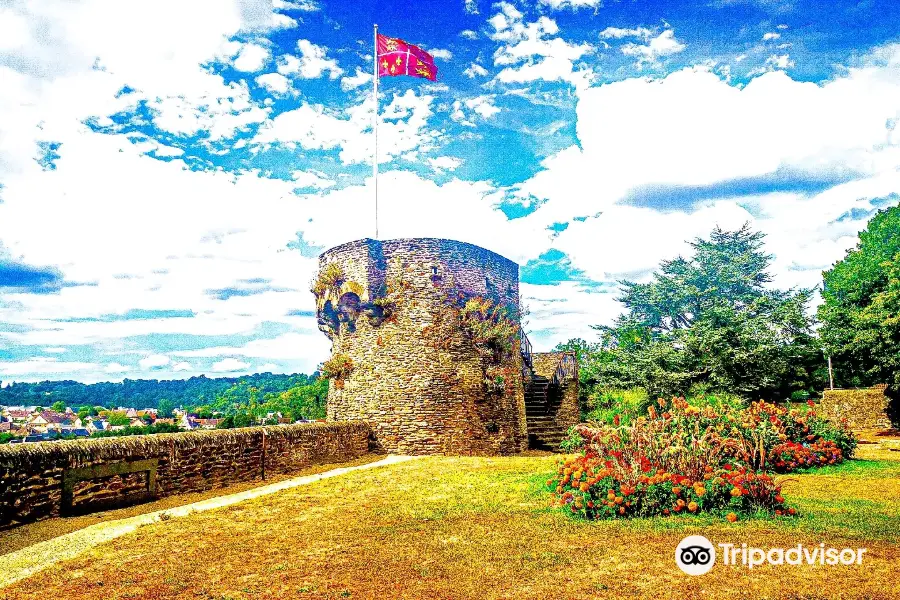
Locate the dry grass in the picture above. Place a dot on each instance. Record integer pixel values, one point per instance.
(479, 528)
(39, 531)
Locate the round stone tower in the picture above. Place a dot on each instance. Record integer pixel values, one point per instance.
(425, 344)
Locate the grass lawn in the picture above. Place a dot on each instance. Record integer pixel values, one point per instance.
(442, 527)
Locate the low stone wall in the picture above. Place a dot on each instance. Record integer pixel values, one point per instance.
(863, 408)
(49, 479)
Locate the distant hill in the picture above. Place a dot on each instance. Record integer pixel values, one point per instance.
(143, 393)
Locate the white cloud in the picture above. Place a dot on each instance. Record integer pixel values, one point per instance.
(351, 82)
(274, 82)
(468, 34)
(251, 58)
(574, 4)
(440, 53)
(57, 350)
(182, 366)
(665, 44)
(530, 52)
(483, 105)
(312, 179)
(403, 128)
(475, 70)
(230, 365)
(471, 7)
(32, 367)
(311, 64)
(771, 35)
(637, 136)
(154, 361)
(444, 163)
(115, 367)
(619, 33)
(303, 5)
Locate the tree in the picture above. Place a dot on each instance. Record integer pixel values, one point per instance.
(861, 310)
(58, 406)
(165, 408)
(711, 319)
(117, 418)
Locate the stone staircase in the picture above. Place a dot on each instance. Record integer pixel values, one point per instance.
(543, 432)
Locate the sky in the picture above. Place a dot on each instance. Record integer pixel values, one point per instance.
(170, 170)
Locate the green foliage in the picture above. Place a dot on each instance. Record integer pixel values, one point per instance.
(679, 458)
(141, 393)
(243, 404)
(490, 324)
(573, 442)
(861, 310)
(165, 408)
(611, 405)
(58, 406)
(117, 418)
(709, 319)
(330, 277)
(338, 367)
(145, 430)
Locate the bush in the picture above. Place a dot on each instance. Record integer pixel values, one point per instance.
(597, 489)
(721, 453)
(338, 368)
(614, 406)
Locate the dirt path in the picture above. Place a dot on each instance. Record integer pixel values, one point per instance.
(23, 563)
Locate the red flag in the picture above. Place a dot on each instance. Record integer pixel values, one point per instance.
(396, 57)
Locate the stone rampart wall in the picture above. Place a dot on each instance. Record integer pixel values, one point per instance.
(49, 479)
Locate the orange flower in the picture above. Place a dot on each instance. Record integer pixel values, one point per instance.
(584, 487)
(792, 511)
(676, 490)
(735, 492)
(700, 491)
(692, 507)
(779, 499)
(731, 517)
(621, 510)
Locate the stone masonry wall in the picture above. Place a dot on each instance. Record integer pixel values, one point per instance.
(32, 475)
(568, 413)
(416, 377)
(863, 408)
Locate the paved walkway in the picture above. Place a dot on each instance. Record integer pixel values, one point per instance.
(23, 563)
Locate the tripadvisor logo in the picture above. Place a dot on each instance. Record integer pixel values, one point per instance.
(695, 555)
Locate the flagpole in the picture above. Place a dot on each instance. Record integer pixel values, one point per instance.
(375, 129)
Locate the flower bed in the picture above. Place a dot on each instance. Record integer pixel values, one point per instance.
(686, 460)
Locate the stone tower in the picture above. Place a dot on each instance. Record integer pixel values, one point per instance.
(425, 344)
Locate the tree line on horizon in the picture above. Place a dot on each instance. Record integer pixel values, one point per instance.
(241, 399)
(712, 323)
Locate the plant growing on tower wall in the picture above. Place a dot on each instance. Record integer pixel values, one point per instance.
(489, 324)
(337, 368)
(330, 277)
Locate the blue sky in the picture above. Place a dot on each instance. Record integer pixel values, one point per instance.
(166, 181)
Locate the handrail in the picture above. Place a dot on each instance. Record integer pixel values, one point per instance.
(566, 369)
(526, 350)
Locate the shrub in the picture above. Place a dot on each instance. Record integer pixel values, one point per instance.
(609, 403)
(573, 441)
(594, 488)
(338, 368)
(330, 277)
(489, 324)
(645, 466)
